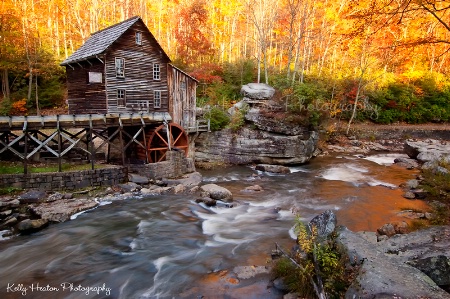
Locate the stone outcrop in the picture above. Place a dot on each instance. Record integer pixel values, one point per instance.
(255, 146)
(427, 150)
(397, 267)
(263, 139)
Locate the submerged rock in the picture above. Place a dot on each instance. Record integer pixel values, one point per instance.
(216, 192)
(273, 168)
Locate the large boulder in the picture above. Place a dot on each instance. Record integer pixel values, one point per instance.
(323, 224)
(216, 192)
(29, 226)
(257, 91)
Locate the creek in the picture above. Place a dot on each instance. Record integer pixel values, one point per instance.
(169, 246)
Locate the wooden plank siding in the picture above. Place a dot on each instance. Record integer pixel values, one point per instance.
(182, 97)
(138, 83)
(85, 97)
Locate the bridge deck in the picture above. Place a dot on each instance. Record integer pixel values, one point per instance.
(11, 123)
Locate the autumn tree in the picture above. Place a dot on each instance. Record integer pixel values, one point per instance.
(9, 48)
(263, 15)
(193, 45)
(417, 23)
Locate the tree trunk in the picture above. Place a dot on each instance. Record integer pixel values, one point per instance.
(38, 112)
(5, 83)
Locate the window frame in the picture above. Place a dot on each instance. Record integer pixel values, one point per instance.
(156, 71)
(138, 38)
(157, 97)
(120, 66)
(121, 97)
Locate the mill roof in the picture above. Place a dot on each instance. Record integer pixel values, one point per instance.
(101, 40)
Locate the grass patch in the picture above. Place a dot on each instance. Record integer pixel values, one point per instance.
(17, 168)
(9, 190)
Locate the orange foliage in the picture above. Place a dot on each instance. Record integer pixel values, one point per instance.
(19, 107)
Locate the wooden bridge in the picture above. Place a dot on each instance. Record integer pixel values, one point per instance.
(150, 134)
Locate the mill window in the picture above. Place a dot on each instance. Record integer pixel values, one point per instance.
(138, 38)
(120, 68)
(156, 72)
(121, 97)
(157, 99)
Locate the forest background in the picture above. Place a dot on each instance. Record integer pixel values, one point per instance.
(386, 61)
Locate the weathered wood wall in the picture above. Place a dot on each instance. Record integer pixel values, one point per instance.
(182, 97)
(138, 82)
(85, 97)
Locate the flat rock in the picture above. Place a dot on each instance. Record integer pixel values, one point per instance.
(188, 180)
(32, 196)
(138, 179)
(9, 203)
(60, 211)
(427, 150)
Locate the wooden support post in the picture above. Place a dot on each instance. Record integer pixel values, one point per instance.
(91, 143)
(144, 139)
(59, 144)
(121, 140)
(25, 159)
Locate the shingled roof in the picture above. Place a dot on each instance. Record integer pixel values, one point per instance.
(100, 41)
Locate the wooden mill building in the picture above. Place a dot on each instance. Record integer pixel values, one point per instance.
(123, 92)
(124, 69)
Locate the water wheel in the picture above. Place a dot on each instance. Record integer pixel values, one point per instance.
(162, 139)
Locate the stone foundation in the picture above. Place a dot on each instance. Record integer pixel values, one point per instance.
(175, 166)
(70, 180)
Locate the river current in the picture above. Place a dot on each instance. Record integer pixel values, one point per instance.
(169, 246)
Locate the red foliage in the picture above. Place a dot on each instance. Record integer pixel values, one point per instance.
(208, 73)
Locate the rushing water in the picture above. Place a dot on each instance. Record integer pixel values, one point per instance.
(169, 246)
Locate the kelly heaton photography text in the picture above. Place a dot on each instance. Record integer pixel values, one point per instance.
(28, 289)
(333, 108)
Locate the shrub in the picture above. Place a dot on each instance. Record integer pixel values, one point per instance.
(238, 119)
(315, 258)
(218, 118)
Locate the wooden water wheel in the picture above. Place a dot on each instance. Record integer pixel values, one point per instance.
(162, 139)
